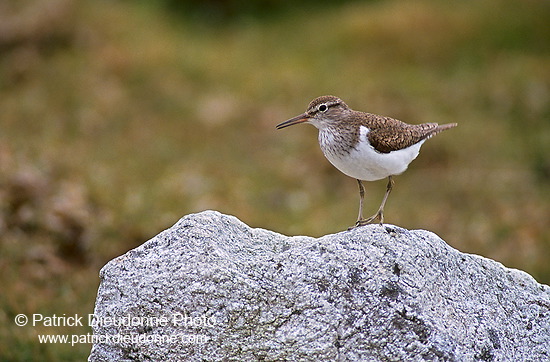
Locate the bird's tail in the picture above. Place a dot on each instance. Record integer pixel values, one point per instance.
(443, 127)
(433, 128)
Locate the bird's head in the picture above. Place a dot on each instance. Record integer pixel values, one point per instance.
(322, 112)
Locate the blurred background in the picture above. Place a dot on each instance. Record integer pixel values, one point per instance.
(119, 117)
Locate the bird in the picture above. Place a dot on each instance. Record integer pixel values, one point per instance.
(365, 146)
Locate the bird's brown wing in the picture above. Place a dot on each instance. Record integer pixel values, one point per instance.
(395, 135)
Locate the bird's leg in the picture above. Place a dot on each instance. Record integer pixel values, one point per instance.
(361, 198)
(388, 190)
(380, 213)
(360, 220)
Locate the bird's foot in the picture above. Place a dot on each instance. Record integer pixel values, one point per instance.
(370, 220)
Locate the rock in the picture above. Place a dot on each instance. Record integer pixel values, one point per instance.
(212, 288)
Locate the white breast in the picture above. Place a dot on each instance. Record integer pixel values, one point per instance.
(364, 162)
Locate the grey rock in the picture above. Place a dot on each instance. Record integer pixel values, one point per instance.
(212, 288)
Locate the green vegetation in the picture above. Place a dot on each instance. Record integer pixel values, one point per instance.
(118, 118)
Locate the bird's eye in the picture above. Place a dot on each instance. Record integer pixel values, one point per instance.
(322, 108)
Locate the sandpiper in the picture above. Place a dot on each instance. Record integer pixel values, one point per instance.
(365, 146)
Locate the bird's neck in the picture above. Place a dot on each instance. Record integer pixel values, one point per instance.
(338, 138)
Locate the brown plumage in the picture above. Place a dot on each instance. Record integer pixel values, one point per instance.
(363, 145)
(386, 134)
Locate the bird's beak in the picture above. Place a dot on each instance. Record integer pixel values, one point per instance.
(298, 119)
